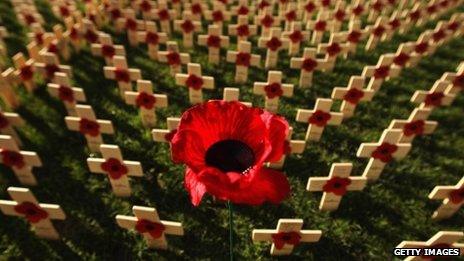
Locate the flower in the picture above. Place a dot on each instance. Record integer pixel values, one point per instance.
(74, 34)
(377, 6)
(64, 11)
(243, 10)
(173, 58)
(333, 49)
(213, 41)
(421, 47)
(218, 16)
(289, 238)
(3, 121)
(152, 38)
(319, 118)
(243, 59)
(273, 90)
(274, 44)
(31, 211)
(50, 70)
(89, 127)
(224, 145)
(457, 196)
(354, 36)
(145, 6)
(290, 15)
(168, 137)
(115, 13)
(263, 4)
(453, 26)
(438, 35)
(91, 36)
(12, 159)
(163, 15)
(358, 10)
(267, 21)
(336, 185)
(114, 167)
(414, 128)
(309, 7)
(29, 19)
(459, 81)
(121, 75)
(52, 48)
(434, 99)
(320, 25)
(384, 152)
(401, 59)
(153, 228)
(309, 64)
(26, 73)
(65, 93)
(196, 9)
(394, 24)
(194, 82)
(187, 26)
(296, 36)
(39, 38)
(378, 31)
(340, 15)
(131, 24)
(382, 72)
(415, 15)
(243, 30)
(108, 50)
(431, 9)
(145, 100)
(353, 96)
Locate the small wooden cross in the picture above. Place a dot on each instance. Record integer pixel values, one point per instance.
(378, 31)
(291, 147)
(61, 42)
(291, 14)
(455, 80)
(318, 118)
(296, 37)
(38, 35)
(63, 10)
(165, 135)
(164, 15)
(375, 9)
(173, 57)
(434, 97)
(87, 123)
(50, 66)
(267, 22)
(332, 50)
(24, 71)
(62, 89)
(89, 31)
(195, 82)
(106, 49)
(243, 58)
(218, 15)
(145, 7)
(321, 25)
(117, 169)
(273, 43)
(452, 199)
(286, 236)
(197, 8)
(6, 89)
(27, 15)
(121, 73)
(8, 122)
(404, 55)
(214, 41)
(148, 223)
(307, 65)
(272, 90)
(339, 15)
(336, 185)
(242, 30)
(73, 33)
(415, 125)
(233, 94)
(188, 26)
(40, 216)
(146, 101)
(152, 38)
(130, 24)
(442, 239)
(423, 46)
(354, 35)
(382, 152)
(352, 95)
(380, 72)
(243, 8)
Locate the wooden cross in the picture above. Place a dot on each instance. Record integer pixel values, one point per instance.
(307, 65)
(375, 9)
(62, 89)
(455, 80)
(379, 29)
(452, 199)
(89, 31)
(336, 185)
(63, 9)
(395, 24)
(382, 152)
(148, 223)
(286, 236)
(20, 162)
(243, 8)
(413, 17)
(318, 118)
(267, 22)
(321, 25)
(173, 57)
(195, 82)
(165, 135)
(423, 46)
(117, 169)
(146, 101)
(332, 50)
(40, 216)
(296, 36)
(38, 35)
(354, 35)
(214, 41)
(380, 72)
(273, 43)
(242, 30)
(404, 56)
(6, 90)
(152, 38)
(197, 8)
(145, 7)
(130, 24)
(292, 147)
(61, 42)
(339, 15)
(50, 66)
(243, 58)
(106, 49)
(28, 15)
(122, 74)
(24, 71)
(272, 90)
(232, 94)
(352, 95)
(291, 14)
(416, 124)
(442, 239)
(187, 26)
(218, 15)
(8, 122)
(164, 15)
(434, 97)
(87, 123)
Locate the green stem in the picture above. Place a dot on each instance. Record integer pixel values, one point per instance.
(231, 236)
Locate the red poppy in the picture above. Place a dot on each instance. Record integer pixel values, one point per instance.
(395, 23)
(29, 19)
(296, 36)
(91, 36)
(163, 15)
(131, 24)
(439, 35)
(401, 59)
(263, 4)
(64, 11)
(377, 6)
(453, 26)
(218, 16)
(415, 15)
(243, 10)
(26, 73)
(434, 99)
(431, 9)
(89, 127)
(457, 196)
(320, 26)
(378, 31)
(145, 100)
(243, 30)
(12, 159)
(52, 48)
(340, 15)
(325, 3)
(333, 49)
(224, 145)
(168, 137)
(32, 212)
(384, 152)
(153, 228)
(319, 118)
(336, 185)
(414, 128)
(39, 38)
(459, 81)
(65, 93)
(243, 59)
(196, 9)
(353, 96)
(187, 26)
(421, 48)
(50, 70)
(173, 58)
(194, 82)
(354, 36)
(274, 44)
(121, 75)
(282, 238)
(115, 168)
(213, 41)
(108, 50)
(290, 15)
(309, 64)
(152, 38)
(115, 13)
(145, 6)
(273, 90)
(3, 121)
(358, 10)
(444, 3)
(382, 72)
(267, 21)
(74, 34)
(309, 7)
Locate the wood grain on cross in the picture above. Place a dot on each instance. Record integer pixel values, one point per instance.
(286, 236)
(380, 153)
(50, 66)
(318, 118)
(173, 57)
(214, 41)
(87, 123)
(296, 37)
(233, 94)
(380, 72)
(307, 64)
(24, 71)
(8, 122)
(452, 199)
(352, 95)
(121, 73)
(336, 185)
(146, 101)
(148, 223)
(274, 43)
(218, 15)
(188, 26)
(116, 168)
(415, 125)
(8, 95)
(61, 88)
(272, 90)
(152, 38)
(291, 147)
(39, 215)
(332, 50)
(106, 49)
(242, 30)
(378, 31)
(195, 82)
(243, 59)
(130, 24)
(435, 97)
(165, 135)
(319, 26)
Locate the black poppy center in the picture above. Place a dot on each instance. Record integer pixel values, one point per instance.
(149, 227)
(337, 185)
(384, 151)
(31, 212)
(286, 237)
(115, 168)
(230, 155)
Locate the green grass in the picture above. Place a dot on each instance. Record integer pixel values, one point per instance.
(367, 225)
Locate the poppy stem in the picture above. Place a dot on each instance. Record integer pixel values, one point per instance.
(231, 226)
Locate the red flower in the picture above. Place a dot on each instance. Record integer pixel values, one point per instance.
(457, 196)
(152, 38)
(319, 118)
(3, 121)
(444, 3)
(108, 50)
(64, 11)
(459, 81)
(434, 99)
(114, 167)
(377, 6)
(194, 82)
(267, 21)
(26, 73)
(353, 96)
(187, 26)
(145, 100)
(340, 15)
(224, 145)
(89, 127)
(358, 10)
(354, 36)
(414, 128)
(218, 16)
(243, 10)
(163, 15)
(333, 49)
(384, 152)
(31, 212)
(439, 35)
(196, 9)
(29, 19)
(50, 70)
(12, 159)
(91, 36)
(431, 9)
(378, 31)
(282, 238)
(145, 6)
(168, 137)
(401, 59)
(336, 185)
(243, 59)
(39, 38)
(115, 13)
(121, 75)
(131, 24)
(382, 72)
(273, 90)
(394, 24)
(263, 4)
(173, 58)
(296, 36)
(421, 47)
(453, 26)
(309, 64)
(415, 15)
(325, 3)
(243, 30)
(74, 34)
(153, 228)
(320, 26)
(309, 7)
(213, 41)
(65, 93)
(52, 48)
(290, 15)
(274, 44)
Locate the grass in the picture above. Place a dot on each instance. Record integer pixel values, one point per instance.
(367, 225)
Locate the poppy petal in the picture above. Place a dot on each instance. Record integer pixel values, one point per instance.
(278, 130)
(194, 187)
